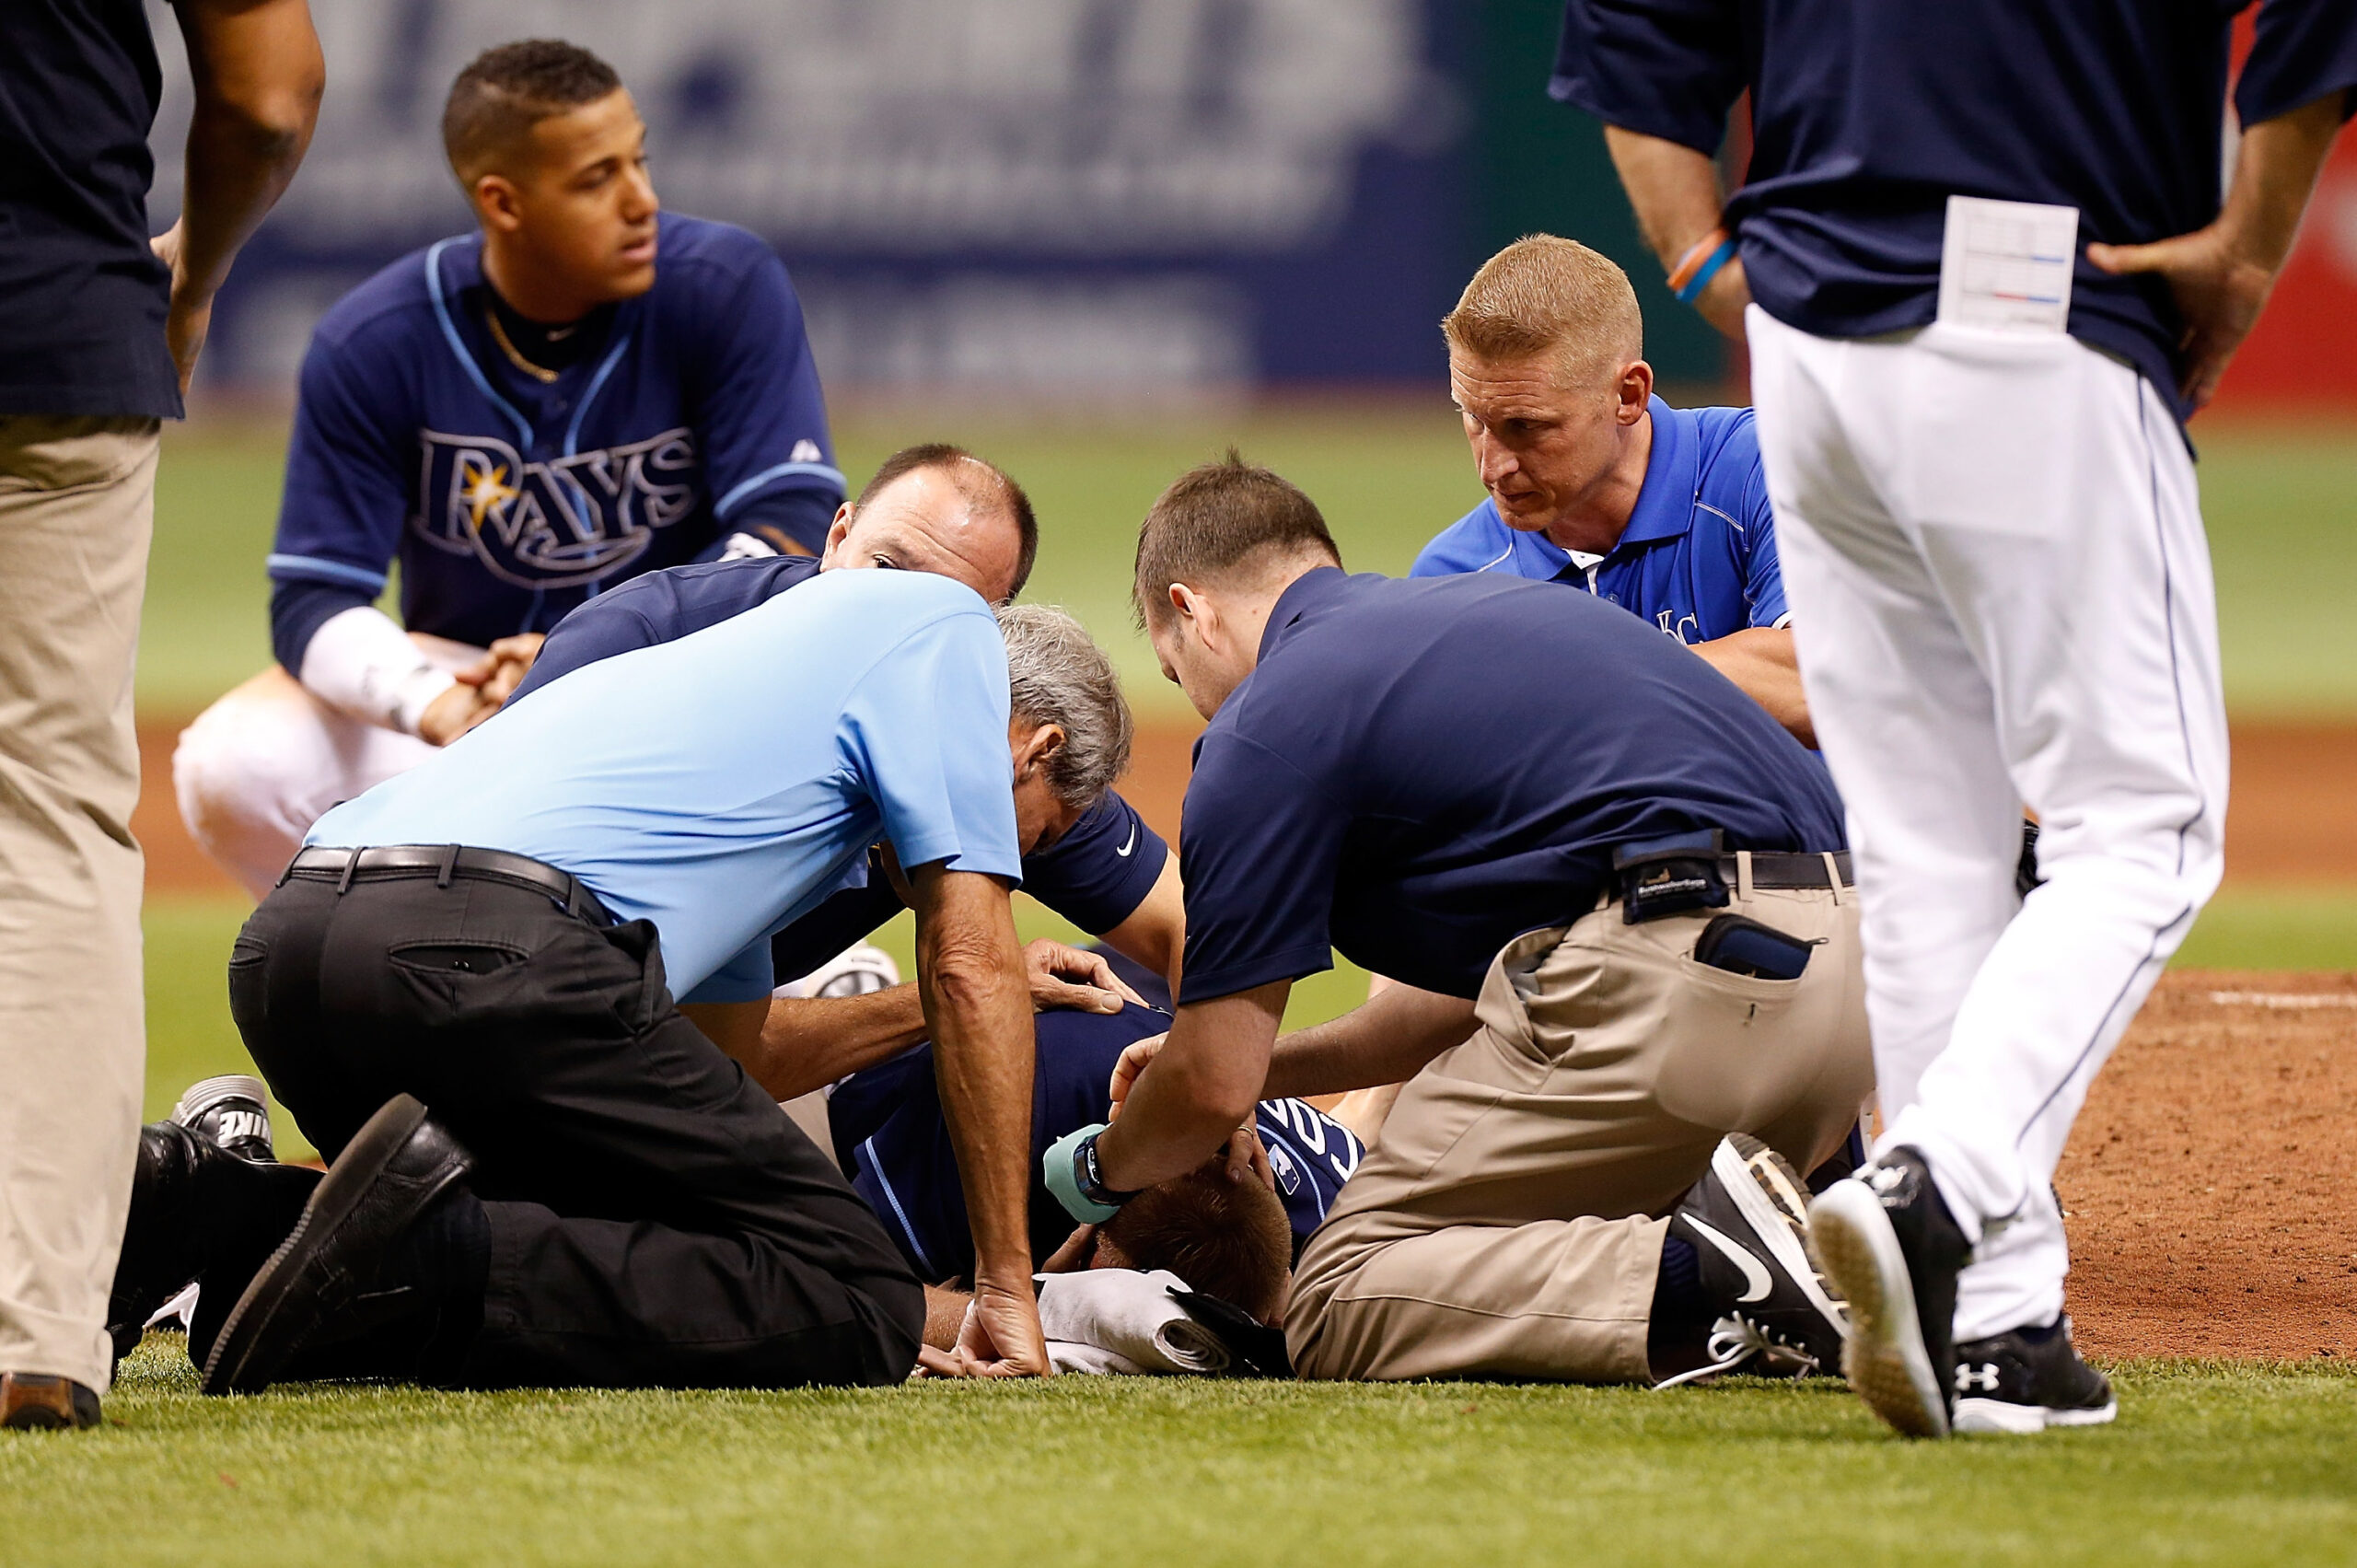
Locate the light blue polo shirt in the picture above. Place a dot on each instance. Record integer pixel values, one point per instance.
(1698, 558)
(722, 784)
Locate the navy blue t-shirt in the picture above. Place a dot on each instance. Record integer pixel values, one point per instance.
(82, 297)
(892, 1140)
(1698, 558)
(1419, 771)
(1869, 114)
(508, 500)
(1096, 876)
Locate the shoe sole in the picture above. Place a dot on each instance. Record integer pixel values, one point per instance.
(231, 1368)
(1884, 1357)
(1777, 1230)
(2002, 1417)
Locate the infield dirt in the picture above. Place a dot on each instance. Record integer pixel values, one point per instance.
(2212, 1183)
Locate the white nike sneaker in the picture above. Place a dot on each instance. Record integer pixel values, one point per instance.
(854, 971)
(1746, 1220)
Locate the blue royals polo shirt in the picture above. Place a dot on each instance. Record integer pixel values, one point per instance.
(1698, 558)
(1417, 772)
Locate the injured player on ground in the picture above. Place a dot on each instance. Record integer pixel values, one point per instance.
(1232, 1240)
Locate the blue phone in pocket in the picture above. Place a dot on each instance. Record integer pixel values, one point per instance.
(1740, 944)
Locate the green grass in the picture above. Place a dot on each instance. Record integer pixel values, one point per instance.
(1389, 476)
(2209, 1463)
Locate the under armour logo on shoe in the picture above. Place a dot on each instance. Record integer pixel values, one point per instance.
(1983, 1377)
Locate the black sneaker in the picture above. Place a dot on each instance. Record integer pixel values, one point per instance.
(1746, 1221)
(1889, 1244)
(2029, 1380)
(234, 1112)
(195, 1208)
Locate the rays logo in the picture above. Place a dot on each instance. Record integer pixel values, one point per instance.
(556, 524)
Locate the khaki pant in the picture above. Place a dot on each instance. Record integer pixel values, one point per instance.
(76, 503)
(1510, 1221)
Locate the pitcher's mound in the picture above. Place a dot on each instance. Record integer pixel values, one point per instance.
(2212, 1182)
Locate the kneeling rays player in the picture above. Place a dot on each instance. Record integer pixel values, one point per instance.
(585, 390)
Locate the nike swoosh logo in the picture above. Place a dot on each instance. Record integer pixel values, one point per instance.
(1757, 1280)
(1124, 851)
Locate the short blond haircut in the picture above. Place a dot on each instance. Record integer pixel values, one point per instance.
(1545, 294)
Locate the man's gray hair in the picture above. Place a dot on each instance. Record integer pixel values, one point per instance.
(1056, 674)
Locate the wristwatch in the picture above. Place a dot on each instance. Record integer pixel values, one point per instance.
(1071, 1169)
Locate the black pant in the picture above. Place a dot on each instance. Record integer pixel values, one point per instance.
(655, 1219)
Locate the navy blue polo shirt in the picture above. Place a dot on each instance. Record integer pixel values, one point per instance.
(1869, 114)
(892, 1139)
(1419, 771)
(507, 500)
(1698, 558)
(82, 297)
(1095, 876)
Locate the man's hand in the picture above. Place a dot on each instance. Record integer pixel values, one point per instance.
(1132, 1061)
(190, 315)
(453, 714)
(1070, 977)
(483, 689)
(1001, 1338)
(1248, 1158)
(2222, 274)
(503, 668)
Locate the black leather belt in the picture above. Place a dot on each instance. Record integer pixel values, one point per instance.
(1790, 870)
(388, 862)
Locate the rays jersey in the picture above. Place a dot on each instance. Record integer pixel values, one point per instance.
(506, 499)
(892, 1139)
(1698, 559)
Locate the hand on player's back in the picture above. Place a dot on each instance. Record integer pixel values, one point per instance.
(1068, 977)
(1134, 1058)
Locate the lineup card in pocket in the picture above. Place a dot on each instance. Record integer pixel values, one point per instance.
(2006, 266)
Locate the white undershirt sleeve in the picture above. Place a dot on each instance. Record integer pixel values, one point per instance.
(360, 663)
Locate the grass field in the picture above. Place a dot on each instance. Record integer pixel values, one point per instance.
(1389, 476)
(2208, 1464)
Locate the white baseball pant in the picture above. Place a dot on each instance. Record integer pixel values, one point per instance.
(267, 760)
(2002, 598)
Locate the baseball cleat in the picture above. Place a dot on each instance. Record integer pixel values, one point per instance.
(234, 1112)
(2029, 1380)
(1747, 1221)
(1890, 1246)
(386, 1180)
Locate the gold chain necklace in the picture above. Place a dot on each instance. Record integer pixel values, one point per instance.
(499, 336)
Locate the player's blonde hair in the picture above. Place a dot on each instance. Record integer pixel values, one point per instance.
(1546, 295)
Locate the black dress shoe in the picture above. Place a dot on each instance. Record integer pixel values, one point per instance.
(196, 1207)
(29, 1403)
(322, 1282)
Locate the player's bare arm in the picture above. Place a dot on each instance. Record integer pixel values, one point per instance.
(978, 1012)
(2222, 273)
(1677, 195)
(1763, 661)
(257, 74)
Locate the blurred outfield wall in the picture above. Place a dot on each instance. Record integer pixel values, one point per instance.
(1073, 197)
